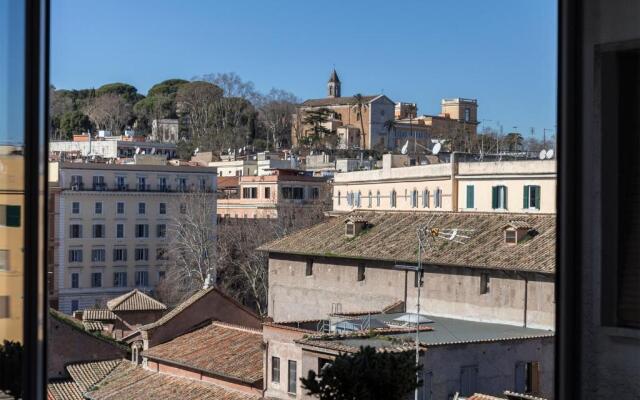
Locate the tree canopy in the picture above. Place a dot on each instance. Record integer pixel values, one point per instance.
(365, 375)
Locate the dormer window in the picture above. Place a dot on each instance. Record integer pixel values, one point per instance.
(516, 231)
(354, 225)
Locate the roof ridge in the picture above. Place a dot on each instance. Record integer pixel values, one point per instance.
(237, 327)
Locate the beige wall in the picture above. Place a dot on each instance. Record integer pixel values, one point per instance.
(448, 291)
(280, 343)
(482, 175)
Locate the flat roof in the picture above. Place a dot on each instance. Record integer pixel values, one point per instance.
(138, 167)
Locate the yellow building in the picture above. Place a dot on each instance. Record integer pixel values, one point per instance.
(11, 244)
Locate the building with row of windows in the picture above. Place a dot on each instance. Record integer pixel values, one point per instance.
(110, 226)
(493, 186)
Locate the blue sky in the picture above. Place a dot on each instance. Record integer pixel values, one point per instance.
(502, 52)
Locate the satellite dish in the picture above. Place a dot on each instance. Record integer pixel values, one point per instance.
(405, 148)
(144, 152)
(196, 151)
(229, 151)
(137, 150)
(550, 154)
(543, 154)
(153, 150)
(436, 148)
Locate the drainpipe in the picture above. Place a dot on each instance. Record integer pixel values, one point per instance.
(406, 280)
(454, 181)
(265, 379)
(526, 298)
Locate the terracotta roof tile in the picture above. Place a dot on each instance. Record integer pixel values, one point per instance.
(391, 236)
(480, 396)
(93, 325)
(98, 314)
(135, 300)
(64, 390)
(335, 101)
(86, 375)
(218, 348)
(135, 383)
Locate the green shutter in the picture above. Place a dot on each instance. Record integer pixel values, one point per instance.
(494, 197)
(470, 193)
(525, 197)
(13, 216)
(538, 197)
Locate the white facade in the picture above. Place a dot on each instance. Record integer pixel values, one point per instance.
(111, 148)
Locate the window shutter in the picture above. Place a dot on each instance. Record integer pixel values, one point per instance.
(494, 197)
(525, 197)
(13, 216)
(470, 194)
(535, 377)
(537, 199)
(520, 377)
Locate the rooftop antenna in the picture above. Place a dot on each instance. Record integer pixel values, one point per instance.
(428, 234)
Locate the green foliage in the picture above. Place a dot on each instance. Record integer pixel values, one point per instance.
(320, 135)
(365, 375)
(166, 88)
(128, 92)
(11, 368)
(74, 122)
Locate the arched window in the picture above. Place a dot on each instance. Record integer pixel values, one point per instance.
(414, 198)
(378, 198)
(425, 198)
(358, 195)
(370, 200)
(392, 199)
(437, 198)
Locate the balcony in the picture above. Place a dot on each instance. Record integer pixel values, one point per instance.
(99, 186)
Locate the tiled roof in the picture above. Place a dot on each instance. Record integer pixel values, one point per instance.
(78, 325)
(480, 396)
(227, 181)
(521, 396)
(177, 310)
(98, 314)
(220, 349)
(92, 325)
(86, 375)
(135, 300)
(135, 383)
(335, 101)
(63, 390)
(391, 236)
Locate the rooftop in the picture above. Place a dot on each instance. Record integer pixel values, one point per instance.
(442, 331)
(135, 300)
(391, 237)
(137, 167)
(220, 349)
(132, 382)
(336, 101)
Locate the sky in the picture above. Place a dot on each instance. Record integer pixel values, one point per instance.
(501, 52)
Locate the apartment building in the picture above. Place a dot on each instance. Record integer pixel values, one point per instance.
(11, 243)
(258, 165)
(267, 196)
(111, 147)
(527, 186)
(111, 224)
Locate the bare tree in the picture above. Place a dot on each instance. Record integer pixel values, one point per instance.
(192, 249)
(194, 99)
(110, 112)
(275, 115)
(233, 86)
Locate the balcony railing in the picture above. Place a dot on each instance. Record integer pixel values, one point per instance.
(101, 187)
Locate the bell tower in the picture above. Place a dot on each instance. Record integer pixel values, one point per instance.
(333, 86)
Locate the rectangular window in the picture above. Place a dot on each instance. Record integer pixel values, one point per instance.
(10, 216)
(119, 254)
(361, 270)
(98, 183)
(98, 231)
(98, 208)
(119, 279)
(76, 182)
(98, 255)
(163, 208)
(275, 369)
(250, 193)
(527, 377)
(182, 184)
(120, 208)
(267, 193)
(74, 305)
(120, 183)
(484, 283)
(470, 196)
(142, 208)
(142, 254)
(183, 208)
(162, 184)
(75, 231)
(531, 197)
(161, 230)
(96, 279)
(4, 260)
(499, 197)
(119, 231)
(75, 207)
(142, 278)
(161, 275)
(298, 193)
(75, 255)
(309, 269)
(142, 183)
(75, 280)
(142, 230)
(292, 377)
(4, 307)
(315, 194)
(161, 254)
